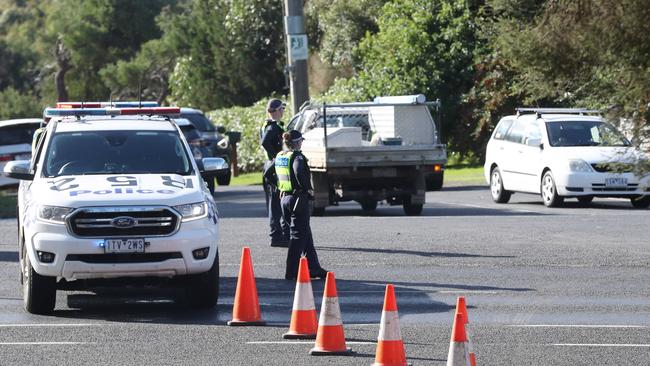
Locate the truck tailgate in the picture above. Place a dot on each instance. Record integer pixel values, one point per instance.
(370, 156)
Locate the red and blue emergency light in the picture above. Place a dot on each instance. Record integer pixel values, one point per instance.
(106, 104)
(64, 112)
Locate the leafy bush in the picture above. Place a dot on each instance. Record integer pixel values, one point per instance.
(13, 104)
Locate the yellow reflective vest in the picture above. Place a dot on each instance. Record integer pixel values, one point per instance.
(283, 166)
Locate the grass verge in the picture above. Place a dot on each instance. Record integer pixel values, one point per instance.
(247, 179)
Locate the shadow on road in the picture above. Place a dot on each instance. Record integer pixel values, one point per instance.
(411, 252)
(466, 188)
(8, 256)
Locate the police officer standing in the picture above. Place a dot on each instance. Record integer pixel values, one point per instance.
(294, 182)
(271, 136)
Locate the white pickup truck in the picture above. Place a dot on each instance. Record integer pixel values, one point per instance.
(388, 150)
(114, 196)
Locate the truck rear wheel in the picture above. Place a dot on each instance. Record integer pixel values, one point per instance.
(412, 209)
(39, 292)
(317, 211)
(368, 205)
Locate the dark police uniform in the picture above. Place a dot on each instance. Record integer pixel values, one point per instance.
(294, 182)
(272, 144)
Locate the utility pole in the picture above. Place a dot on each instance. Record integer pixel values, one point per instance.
(297, 52)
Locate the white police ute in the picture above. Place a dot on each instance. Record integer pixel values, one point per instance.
(113, 196)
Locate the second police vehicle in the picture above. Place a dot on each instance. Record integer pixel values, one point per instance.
(113, 195)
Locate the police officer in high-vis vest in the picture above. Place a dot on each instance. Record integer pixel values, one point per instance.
(294, 182)
(271, 139)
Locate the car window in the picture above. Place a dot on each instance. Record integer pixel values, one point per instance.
(190, 132)
(200, 121)
(502, 128)
(516, 132)
(584, 133)
(532, 132)
(111, 152)
(17, 134)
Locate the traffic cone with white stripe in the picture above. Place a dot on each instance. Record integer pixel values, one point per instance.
(246, 309)
(330, 339)
(303, 316)
(458, 348)
(390, 348)
(461, 308)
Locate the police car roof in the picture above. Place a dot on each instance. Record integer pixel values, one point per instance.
(130, 123)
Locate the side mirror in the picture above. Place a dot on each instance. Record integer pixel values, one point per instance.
(214, 164)
(534, 142)
(221, 129)
(18, 169)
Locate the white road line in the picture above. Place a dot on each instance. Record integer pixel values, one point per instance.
(43, 343)
(301, 342)
(51, 325)
(577, 326)
(397, 292)
(599, 345)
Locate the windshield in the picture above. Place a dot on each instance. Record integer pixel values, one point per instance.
(110, 152)
(199, 121)
(584, 133)
(17, 134)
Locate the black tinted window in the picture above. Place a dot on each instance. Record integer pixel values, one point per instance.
(200, 121)
(110, 152)
(17, 134)
(584, 133)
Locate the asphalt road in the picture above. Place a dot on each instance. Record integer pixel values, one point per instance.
(565, 286)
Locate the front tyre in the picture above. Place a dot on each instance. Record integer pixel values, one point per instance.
(202, 290)
(640, 202)
(549, 191)
(499, 194)
(39, 292)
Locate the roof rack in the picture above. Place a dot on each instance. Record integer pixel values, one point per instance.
(540, 111)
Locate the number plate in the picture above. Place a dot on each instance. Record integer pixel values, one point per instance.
(124, 246)
(616, 182)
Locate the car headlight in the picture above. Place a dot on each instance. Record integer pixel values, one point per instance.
(223, 143)
(53, 214)
(192, 211)
(579, 165)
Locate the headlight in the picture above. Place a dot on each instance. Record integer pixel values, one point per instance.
(579, 165)
(53, 214)
(192, 211)
(223, 143)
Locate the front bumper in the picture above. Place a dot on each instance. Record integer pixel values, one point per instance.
(595, 184)
(84, 258)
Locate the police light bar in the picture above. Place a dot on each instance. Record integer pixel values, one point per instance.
(64, 112)
(106, 104)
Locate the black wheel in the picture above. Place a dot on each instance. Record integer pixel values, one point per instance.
(499, 194)
(640, 202)
(317, 211)
(585, 200)
(202, 290)
(224, 180)
(368, 205)
(211, 184)
(411, 209)
(434, 182)
(39, 292)
(549, 191)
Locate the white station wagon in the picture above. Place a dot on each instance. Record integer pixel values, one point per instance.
(563, 153)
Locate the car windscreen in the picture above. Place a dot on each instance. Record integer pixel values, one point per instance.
(17, 134)
(200, 121)
(584, 133)
(111, 152)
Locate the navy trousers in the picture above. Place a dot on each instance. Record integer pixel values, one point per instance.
(301, 241)
(278, 227)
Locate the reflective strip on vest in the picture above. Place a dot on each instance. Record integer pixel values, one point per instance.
(282, 169)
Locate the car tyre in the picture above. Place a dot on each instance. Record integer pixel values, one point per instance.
(411, 209)
(549, 191)
(640, 202)
(317, 211)
(202, 290)
(435, 181)
(368, 205)
(499, 194)
(39, 292)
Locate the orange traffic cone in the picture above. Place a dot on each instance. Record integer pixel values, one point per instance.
(330, 339)
(303, 316)
(390, 348)
(458, 350)
(462, 309)
(246, 309)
